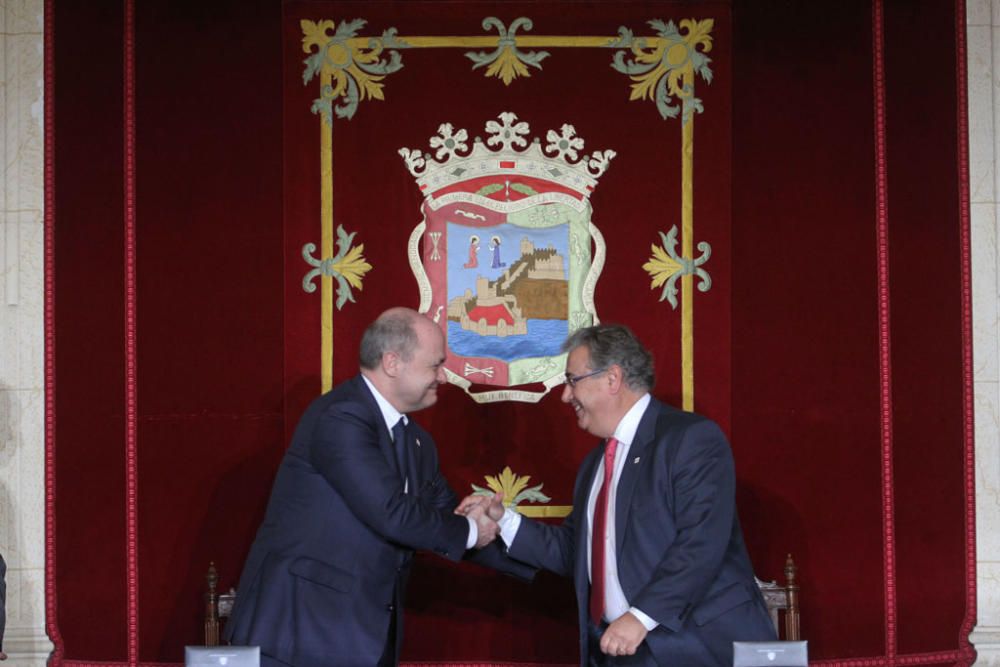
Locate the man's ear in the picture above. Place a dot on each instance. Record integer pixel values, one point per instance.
(615, 377)
(391, 364)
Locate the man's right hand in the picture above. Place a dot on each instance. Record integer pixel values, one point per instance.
(492, 505)
(487, 527)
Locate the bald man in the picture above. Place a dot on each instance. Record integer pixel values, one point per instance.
(358, 491)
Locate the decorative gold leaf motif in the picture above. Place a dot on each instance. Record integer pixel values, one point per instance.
(512, 486)
(354, 66)
(348, 267)
(315, 34)
(660, 266)
(664, 69)
(507, 67)
(666, 267)
(370, 88)
(698, 33)
(645, 86)
(353, 266)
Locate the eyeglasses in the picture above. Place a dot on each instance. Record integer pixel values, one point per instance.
(571, 380)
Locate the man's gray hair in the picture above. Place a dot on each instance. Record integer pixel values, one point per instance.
(615, 344)
(393, 332)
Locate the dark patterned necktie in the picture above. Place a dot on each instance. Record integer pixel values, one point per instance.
(598, 536)
(399, 443)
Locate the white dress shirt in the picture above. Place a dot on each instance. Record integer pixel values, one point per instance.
(391, 415)
(615, 603)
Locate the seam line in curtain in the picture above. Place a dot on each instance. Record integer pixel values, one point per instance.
(968, 397)
(885, 342)
(131, 401)
(49, 195)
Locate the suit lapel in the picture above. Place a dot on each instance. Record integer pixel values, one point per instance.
(384, 437)
(630, 472)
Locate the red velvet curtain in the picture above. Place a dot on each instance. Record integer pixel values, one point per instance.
(851, 433)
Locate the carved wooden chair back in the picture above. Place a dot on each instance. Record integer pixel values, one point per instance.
(783, 602)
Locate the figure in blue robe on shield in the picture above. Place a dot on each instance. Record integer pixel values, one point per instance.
(495, 245)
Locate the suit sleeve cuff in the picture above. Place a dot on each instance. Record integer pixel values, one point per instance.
(473, 534)
(646, 621)
(509, 523)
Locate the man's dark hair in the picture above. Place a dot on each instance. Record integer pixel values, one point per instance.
(614, 344)
(389, 333)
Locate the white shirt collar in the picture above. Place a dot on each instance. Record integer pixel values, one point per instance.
(390, 414)
(625, 432)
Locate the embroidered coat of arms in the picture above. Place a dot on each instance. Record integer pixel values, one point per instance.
(506, 256)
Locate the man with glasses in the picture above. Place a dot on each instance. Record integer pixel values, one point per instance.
(653, 543)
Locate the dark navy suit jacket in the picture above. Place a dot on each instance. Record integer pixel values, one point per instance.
(680, 551)
(327, 570)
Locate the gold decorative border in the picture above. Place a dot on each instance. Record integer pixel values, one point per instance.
(662, 67)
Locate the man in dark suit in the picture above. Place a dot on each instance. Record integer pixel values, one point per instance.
(653, 543)
(357, 492)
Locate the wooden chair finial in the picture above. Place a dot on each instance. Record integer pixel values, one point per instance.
(790, 570)
(212, 607)
(793, 628)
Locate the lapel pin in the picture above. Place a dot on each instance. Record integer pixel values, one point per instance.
(418, 442)
(636, 460)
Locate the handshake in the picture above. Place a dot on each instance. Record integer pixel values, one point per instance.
(486, 511)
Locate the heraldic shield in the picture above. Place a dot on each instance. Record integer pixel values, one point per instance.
(507, 256)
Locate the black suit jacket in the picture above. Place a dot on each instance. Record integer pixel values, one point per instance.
(680, 551)
(327, 570)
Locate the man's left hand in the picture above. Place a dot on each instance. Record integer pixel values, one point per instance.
(623, 636)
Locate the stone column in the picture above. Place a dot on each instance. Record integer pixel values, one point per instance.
(22, 444)
(983, 22)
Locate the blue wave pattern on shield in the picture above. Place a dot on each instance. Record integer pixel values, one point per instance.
(544, 339)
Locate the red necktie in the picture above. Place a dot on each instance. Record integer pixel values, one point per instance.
(598, 534)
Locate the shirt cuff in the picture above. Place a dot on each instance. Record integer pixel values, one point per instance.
(473, 534)
(509, 523)
(646, 621)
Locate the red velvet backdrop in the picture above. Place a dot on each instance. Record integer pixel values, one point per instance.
(788, 343)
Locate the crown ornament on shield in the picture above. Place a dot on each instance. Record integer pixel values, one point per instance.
(506, 150)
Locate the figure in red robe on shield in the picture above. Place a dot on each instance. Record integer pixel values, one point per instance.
(473, 253)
